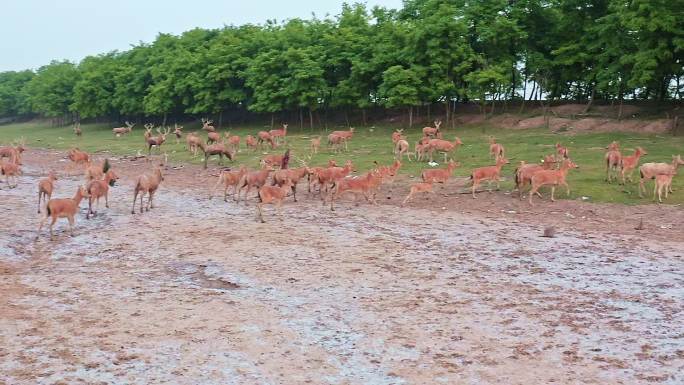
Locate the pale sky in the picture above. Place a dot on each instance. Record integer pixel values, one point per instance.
(34, 32)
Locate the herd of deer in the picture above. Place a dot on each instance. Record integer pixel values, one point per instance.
(275, 181)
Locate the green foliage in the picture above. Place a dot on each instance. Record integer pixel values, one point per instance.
(13, 97)
(51, 91)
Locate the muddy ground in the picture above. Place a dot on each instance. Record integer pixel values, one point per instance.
(449, 290)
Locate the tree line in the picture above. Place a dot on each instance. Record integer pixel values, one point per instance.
(427, 52)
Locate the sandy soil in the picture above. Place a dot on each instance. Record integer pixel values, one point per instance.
(448, 291)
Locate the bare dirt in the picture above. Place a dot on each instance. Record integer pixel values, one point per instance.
(449, 290)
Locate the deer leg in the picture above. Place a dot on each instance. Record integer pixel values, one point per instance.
(71, 225)
(567, 188)
(52, 224)
(142, 195)
(149, 200)
(106, 200)
(260, 215)
(553, 190)
(475, 184)
(39, 195)
(294, 192)
(135, 196)
(40, 226)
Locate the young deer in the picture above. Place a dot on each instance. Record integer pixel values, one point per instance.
(523, 174)
(229, 178)
(630, 162)
(118, 131)
(401, 148)
(100, 188)
(10, 171)
(439, 175)
(206, 125)
(291, 175)
(147, 184)
(219, 149)
(252, 179)
(94, 171)
(272, 195)
(275, 160)
(213, 137)
(650, 170)
(193, 141)
(432, 131)
(489, 173)
(357, 185)
(443, 146)
(315, 144)
(662, 181)
(251, 142)
(77, 129)
(418, 188)
(178, 132)
(279, 133)
(336, 142)
(63, 208)
(496, 150)
(553, 178)
(397, 136)
(344, 136)
(613, 158)
(233, 141)
(328, 176)
(562, 151)
(264, 136)
(45, 188)
(155, 141)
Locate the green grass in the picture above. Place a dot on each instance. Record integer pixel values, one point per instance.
(374, 144)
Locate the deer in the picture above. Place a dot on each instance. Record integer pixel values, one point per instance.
(345, 136)
(77, 129)
(432, 132)
(265, 136)
(397, 136)
(273, 160)
(662, 181)
(251, 142)
(147, 184)
(233, 141)
(193, 141)
(63, 208)
(613, 146)
(356, 185)
(496, 150)
(229, 178)
(14, 151)
(45, 188)
(328, 176)
(252, 179)
(178, 132)
(118, 131)
(291, 175)
(219, 149)
(630, 162)
(389, 172)
(315, 144)
(100, 188)
(155, 141)
(443, 146)
(562, 151)
(10, 171)
(488, 173)
(313, 172)
(78, 157)
(401, 148)
(651, 170)
(523, 174)
(336, 142)
(93, 172)
(213, 137)
(272, 195)
(207, 125)
(439, 175)
(418, 188)
(279, 133)
(553, 178)
(613, 159)
(420, 151)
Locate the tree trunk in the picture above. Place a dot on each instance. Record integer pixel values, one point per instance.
(164, 121)
(591, 99)
(346, 116)
(272, 120)
(428, 112)
(301, 118)
(363, 115)
(220, 122)
(447, 107)
(310, 119)
(410, 116)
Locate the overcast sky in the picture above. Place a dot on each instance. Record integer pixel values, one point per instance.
(34, 32)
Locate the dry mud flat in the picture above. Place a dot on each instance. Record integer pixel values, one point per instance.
(197, 292)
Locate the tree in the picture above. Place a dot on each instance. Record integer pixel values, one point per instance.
(400, 88)
(51, 91)
(13, 97)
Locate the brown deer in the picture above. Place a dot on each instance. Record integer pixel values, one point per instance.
(264, 136)
(291, 175)
(315, 144)
(10, 171)
(345, 136)
(233, 141)
(630, 162)
(45, 188)
(252, 179)
(421, 149)
(523, 174)
(397, 136)
(553, 178)
(489, 173)
(77, 129)
(328, 176)
(613, 158)
(63, 208)
(97, 171)
(229, 178)
(401, 148)
(279, 133)
(251, 142)
(272, 195)
(336, 142)
(562, 151)
(662, 181)
(155, 141)
(213, 137)
(78, 158)
(207, 125)
(651, 170)
(219, 149)
(496, 150)
(432, 131)
(178, 132)
(443, 146)
(13, 152)
(357, 185)
(147, 184)
(118, 131)
(100, 188)
(418, 188)
(193, 141)
(439, 175)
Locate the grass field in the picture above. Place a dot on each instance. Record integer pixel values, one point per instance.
(374, 144)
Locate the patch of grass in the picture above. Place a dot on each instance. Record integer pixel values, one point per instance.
(374, 144)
